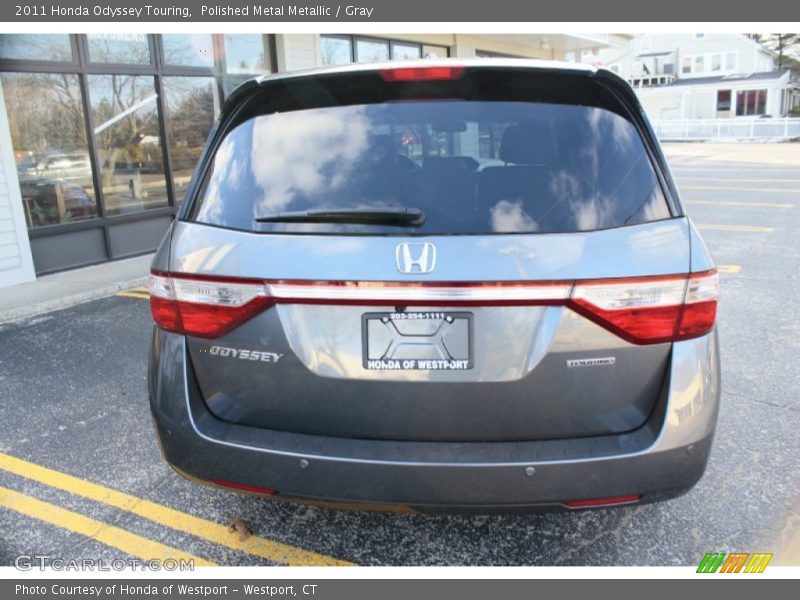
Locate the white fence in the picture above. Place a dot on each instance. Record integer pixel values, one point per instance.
(727, 129)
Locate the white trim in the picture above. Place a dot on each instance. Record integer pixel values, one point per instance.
(25, 272)
(733, 83)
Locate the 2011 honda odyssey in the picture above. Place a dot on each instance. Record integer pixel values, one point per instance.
(438, 284)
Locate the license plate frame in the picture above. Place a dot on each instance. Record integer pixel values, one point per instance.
(460, 358)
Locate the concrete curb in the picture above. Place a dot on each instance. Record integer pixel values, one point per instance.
(33, 310)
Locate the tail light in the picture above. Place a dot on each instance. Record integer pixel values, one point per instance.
(641, 310)
(204, 306)
(397, 74)
(651, 310)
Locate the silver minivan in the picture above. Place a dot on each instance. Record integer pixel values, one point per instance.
(438, 284)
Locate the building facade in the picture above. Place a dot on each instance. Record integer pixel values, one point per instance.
(701, 76)
(100, 133)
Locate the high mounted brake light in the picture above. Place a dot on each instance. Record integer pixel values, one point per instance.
(396, 74)
(641, 310)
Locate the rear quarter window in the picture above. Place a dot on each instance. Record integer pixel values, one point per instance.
(472, 166)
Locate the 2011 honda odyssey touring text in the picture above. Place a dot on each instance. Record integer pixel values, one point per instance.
(436, 284)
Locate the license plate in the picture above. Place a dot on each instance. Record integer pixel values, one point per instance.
(417, 341)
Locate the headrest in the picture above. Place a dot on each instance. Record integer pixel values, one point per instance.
(527, 143)
(382, 142)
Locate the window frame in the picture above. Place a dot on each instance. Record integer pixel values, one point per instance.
(354, 38)
(729, 92)
(17, 64)
(151, 49)
(746, 95)
(81, 67)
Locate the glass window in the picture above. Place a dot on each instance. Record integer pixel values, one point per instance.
(429, 51)
(491, 54)
(36, 47)
(730, 61)
(336, 50)
(371, 50)
(699, 64)
(192, 106)
(123, 48)
(751, 103)
(471, 166)
(188, 50)
(404, 51)
(761, 102)
(45, 113)
(686, 65)
(128, 142)
(741, 108)
(723, 100)
(247, 54)
(716, 62)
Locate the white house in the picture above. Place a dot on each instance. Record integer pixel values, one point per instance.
(701, 76)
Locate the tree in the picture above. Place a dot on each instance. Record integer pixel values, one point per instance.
(785, 45)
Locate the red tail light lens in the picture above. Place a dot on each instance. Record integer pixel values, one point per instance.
(700, 306)
(204, 307)
(421, 73)
(651, 310)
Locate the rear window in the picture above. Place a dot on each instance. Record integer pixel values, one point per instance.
(470, 165)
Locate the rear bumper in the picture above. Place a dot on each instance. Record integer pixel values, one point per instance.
(663, 458)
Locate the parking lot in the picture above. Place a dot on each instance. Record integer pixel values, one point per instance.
(81, 475)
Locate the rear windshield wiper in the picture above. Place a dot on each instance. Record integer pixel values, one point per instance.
(400, 216)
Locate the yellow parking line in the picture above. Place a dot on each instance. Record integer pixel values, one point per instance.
(127, 542)
(747, 228)
(745, 204)
(168, 517)
(729, 268)
(737, 189)
(134, 295)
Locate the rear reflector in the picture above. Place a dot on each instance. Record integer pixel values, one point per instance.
(641, 310)
(245, 487)
(603, 501)
(421, 73)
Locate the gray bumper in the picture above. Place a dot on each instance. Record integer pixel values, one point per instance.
(662, 459)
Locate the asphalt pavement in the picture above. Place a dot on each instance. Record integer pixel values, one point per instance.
(81, 475)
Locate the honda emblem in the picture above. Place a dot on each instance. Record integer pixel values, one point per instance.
(415, 258)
